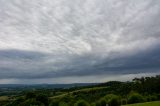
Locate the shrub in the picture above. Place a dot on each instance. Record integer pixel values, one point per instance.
(63, 104)
(114, 101)
(93, 104)
(147, 98)
(158, 96)
(81, 103)
(153, 98)
(54, 103)
(109, 96)
(30, 95)
(98, 104)
(135, 98)
(42, 98)
(124, 101)
(31, 102)
(102, 102)
(18, 101)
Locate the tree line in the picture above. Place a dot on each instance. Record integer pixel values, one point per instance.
(113, 93)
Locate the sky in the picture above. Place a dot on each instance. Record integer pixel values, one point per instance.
(78, 41)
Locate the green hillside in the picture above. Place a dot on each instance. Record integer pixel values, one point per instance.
(114, 93)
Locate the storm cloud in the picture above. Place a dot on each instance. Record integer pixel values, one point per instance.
(78, 39)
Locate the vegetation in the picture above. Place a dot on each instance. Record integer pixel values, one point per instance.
(81, 103)
(135, 98)
(157, 103)
(114, 93)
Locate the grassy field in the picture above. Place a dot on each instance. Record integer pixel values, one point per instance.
(3, 98)
(157, 103)
(85, 90)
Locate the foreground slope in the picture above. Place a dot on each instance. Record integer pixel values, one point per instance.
(156, 103)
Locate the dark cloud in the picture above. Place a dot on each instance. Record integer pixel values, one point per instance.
(144, 61)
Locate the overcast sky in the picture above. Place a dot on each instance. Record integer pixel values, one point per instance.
(69, 41)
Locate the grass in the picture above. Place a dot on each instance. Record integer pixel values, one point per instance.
(3, 98)
(156, 103)
(84, 90)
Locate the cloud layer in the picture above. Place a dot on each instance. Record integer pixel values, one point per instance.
(78, 38)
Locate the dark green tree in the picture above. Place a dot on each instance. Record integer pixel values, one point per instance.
(81, 103)
(30, 95)
(135, 98)
(42, 98)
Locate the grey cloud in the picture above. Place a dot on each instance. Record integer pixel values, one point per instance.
(62, 38)
(145, 61)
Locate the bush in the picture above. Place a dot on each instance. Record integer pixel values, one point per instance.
(54, 103)
(63, 104)
(124, 101)
(93, 104)
(109, 96)
(147, 98)
(18, 101)
(31, 102)
(42, 98)
(153, 98)
(30, 95)
(135, 98)
(158, 96)
(102, 102)
(114, 101)
(98, 104)
(81, 103)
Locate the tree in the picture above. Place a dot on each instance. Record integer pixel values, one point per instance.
(54, 103)
(135, 98)
(102, 102)
(30, 95)
(81, 103)
(31, 102)
(63, 104)
(42, 98)
(124, 101)
(114, 101)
